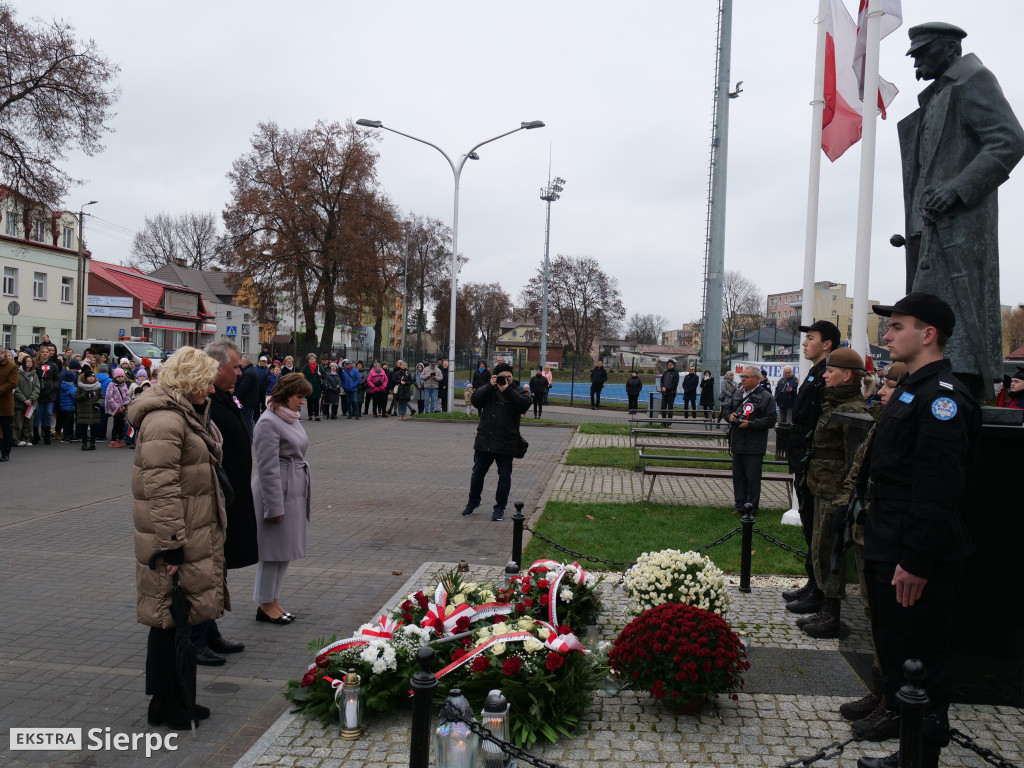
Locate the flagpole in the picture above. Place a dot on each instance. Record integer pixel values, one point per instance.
(865, 199)
(813, 181)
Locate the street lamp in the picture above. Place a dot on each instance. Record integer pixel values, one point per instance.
(549, 194)
(83, 271)
(457, 171)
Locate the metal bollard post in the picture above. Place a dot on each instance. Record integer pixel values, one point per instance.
(518, 520)
(747, 542)
(423, 683)
(913, 701)
(650, 411)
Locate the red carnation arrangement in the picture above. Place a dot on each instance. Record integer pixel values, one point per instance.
(679, 652)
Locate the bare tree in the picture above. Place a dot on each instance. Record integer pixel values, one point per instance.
(163, 239)
(488, 306)
(298, 213)
(426, 246)
(742, 306)
(645, 329)
(464, 330)
(583, 301)
(55, 95)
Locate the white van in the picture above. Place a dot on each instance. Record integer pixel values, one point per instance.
(115, 350)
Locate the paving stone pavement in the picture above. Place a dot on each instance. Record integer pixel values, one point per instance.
(386, 498)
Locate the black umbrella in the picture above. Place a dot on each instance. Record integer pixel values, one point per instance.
(184, 651)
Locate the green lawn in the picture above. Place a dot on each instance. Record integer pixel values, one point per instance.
(600, 428)
(622, 532)
(625, 458)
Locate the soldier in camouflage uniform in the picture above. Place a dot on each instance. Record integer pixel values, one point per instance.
(831, 453)
(866, 712)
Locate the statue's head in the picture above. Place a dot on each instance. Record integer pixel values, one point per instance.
(935, 47)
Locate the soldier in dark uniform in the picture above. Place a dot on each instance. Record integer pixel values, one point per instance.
(822, 337)
(915, 541)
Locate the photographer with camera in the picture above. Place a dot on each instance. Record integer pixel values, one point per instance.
(501, 402)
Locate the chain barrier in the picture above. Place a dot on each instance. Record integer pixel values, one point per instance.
(450, 714)
(577, 555)
(780, 544)
(985, 754)
(716, 542)
(821, 754)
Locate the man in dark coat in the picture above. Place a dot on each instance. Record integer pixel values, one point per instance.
(501, 403)
(234, 421)
(915, 540)
(598, 377)
(669, 385)
(690, 383)
(957, 148)
(247, 390)
(751, 415)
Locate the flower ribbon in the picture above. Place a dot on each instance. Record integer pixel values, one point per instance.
(442, 618)
(576, 574)
(384, 628)
(518, 636)
(564, 643)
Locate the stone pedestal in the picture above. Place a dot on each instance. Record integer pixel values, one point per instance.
(988, 639)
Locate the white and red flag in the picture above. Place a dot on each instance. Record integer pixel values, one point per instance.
(845, 45)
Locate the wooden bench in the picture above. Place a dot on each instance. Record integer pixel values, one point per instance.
(655, 472)
(719, 437)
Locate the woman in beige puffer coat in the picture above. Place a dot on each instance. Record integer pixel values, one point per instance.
(179, 513)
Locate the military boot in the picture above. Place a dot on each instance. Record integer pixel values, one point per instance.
(812, 602)
(792, 595)
(880, 725)
(864, 706)
(828, 625)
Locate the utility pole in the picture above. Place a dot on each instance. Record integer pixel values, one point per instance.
(83, 273)
(549, 194)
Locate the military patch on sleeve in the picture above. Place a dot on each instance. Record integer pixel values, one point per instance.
(907, 397)
(943, 409)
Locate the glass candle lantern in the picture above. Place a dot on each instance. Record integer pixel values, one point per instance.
(494, 718)
(350, 707)
(455, 745)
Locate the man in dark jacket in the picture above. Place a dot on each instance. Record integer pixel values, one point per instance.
(247, 390)
(262, 369)
(752, 414)
(669, 385)
(690, 383)
(501, 403)
(234, 421)
(820, 339)
(915, 540)
(785, 394)
(598, 377)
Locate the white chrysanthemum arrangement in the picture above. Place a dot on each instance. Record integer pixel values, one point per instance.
(671, 576)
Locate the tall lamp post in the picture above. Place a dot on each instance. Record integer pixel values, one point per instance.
(83, 272)
(457, 171)
(549, 194)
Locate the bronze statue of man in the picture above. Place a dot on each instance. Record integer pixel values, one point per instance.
(957, 148)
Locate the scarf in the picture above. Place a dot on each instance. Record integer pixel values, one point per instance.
(283, 412)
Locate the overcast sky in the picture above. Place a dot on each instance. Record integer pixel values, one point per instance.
(626, 93)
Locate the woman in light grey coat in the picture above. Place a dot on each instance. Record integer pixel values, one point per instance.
(280, 491)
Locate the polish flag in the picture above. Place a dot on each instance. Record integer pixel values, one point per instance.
(841, 122)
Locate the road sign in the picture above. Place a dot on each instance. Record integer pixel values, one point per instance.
(120, 332)
(232, 330)
(13, 308)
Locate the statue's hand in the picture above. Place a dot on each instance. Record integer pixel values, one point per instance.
(935, 203)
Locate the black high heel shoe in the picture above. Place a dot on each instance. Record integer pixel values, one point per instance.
(284, 618)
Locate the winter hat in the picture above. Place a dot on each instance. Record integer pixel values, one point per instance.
(502, 368)
(117, 371)
(143, 376)
(74, 365)
(104, 368)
